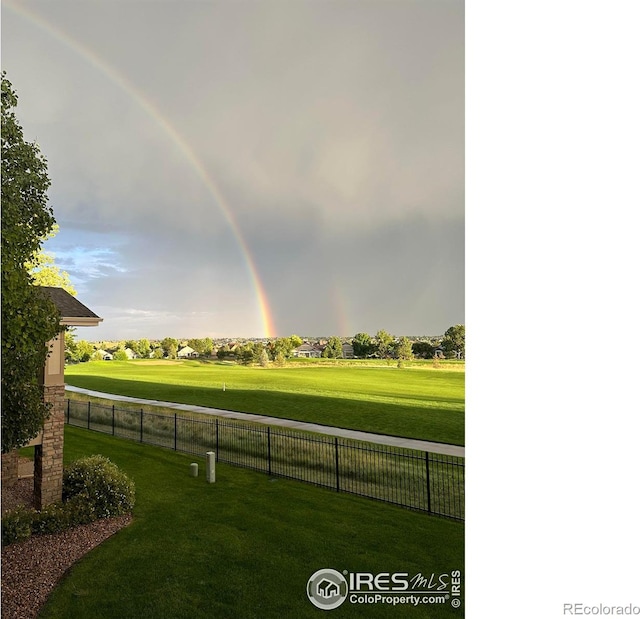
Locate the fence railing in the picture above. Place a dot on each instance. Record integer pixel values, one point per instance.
(429, 482)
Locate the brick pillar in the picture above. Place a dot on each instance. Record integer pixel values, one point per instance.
(10, 468)
(47, 478)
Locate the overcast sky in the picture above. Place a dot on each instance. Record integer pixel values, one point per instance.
(250, 168)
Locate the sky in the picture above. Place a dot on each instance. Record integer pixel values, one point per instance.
(250, 169)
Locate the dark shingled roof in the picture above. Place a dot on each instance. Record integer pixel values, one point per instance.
(68, 305)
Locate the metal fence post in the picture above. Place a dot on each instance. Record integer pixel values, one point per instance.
(269, 448)
(68, 411)
(141, 416)
(426, 461)
(113, 419)
(217, 441)
(337, 467)
(175, 431)
(89, 415)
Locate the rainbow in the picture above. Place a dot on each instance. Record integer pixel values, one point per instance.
(181, 144)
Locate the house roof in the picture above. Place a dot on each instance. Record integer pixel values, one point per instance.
(73, 312)
(305, 346)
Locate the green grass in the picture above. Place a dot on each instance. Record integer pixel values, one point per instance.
(416, 402)
(243, 547)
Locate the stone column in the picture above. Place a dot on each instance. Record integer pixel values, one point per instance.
(10, 468)
(47, 477)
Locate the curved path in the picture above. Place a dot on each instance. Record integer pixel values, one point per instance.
(381, 439)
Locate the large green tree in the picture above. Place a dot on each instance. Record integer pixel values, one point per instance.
(423, 349)
(362, 345)
(170, 347)
(384, 344)
(453, 342)
(29, 318)
(333, 349)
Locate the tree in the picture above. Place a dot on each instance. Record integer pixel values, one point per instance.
(46, 272)
(79, 351)
(257, 348)
(143, 348)
(282, 345)
(384, 344)
(333, 349)
(295, 341)
(247, 354)
(424, 350)
(170, 347)
(362, 346)
(120, 355)
(29, 318)
(84, 350)
(264, 358)
(404, 351)
(70, 348)
(453, 342)
(201, 346)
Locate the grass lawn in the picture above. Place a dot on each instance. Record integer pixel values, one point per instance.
(243, 547)
(417, 402)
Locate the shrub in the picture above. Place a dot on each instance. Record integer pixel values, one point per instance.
(92, 488)
(97, 488)
(16, 525)
(53, 518)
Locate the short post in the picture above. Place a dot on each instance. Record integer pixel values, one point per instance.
(194, 469)
(211, 467)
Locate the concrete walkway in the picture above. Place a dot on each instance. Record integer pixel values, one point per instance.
(381, 439)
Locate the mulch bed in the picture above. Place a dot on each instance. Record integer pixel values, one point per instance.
(32, 569)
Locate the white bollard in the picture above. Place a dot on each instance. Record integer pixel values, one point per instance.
(211, 466)
(194, 469)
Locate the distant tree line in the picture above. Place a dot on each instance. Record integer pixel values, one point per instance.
(260, 352)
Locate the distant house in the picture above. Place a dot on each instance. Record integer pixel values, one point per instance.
(130, 354)
(307, 350)
(103, 355)
(187, 353)
(347, 351)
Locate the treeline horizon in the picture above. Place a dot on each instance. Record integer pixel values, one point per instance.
(262, 350)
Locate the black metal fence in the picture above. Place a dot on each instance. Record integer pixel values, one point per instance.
(429, 482)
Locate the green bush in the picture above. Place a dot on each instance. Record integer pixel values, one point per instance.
(50, 519)
(92, 488)
(16, 525)
(95, 485)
